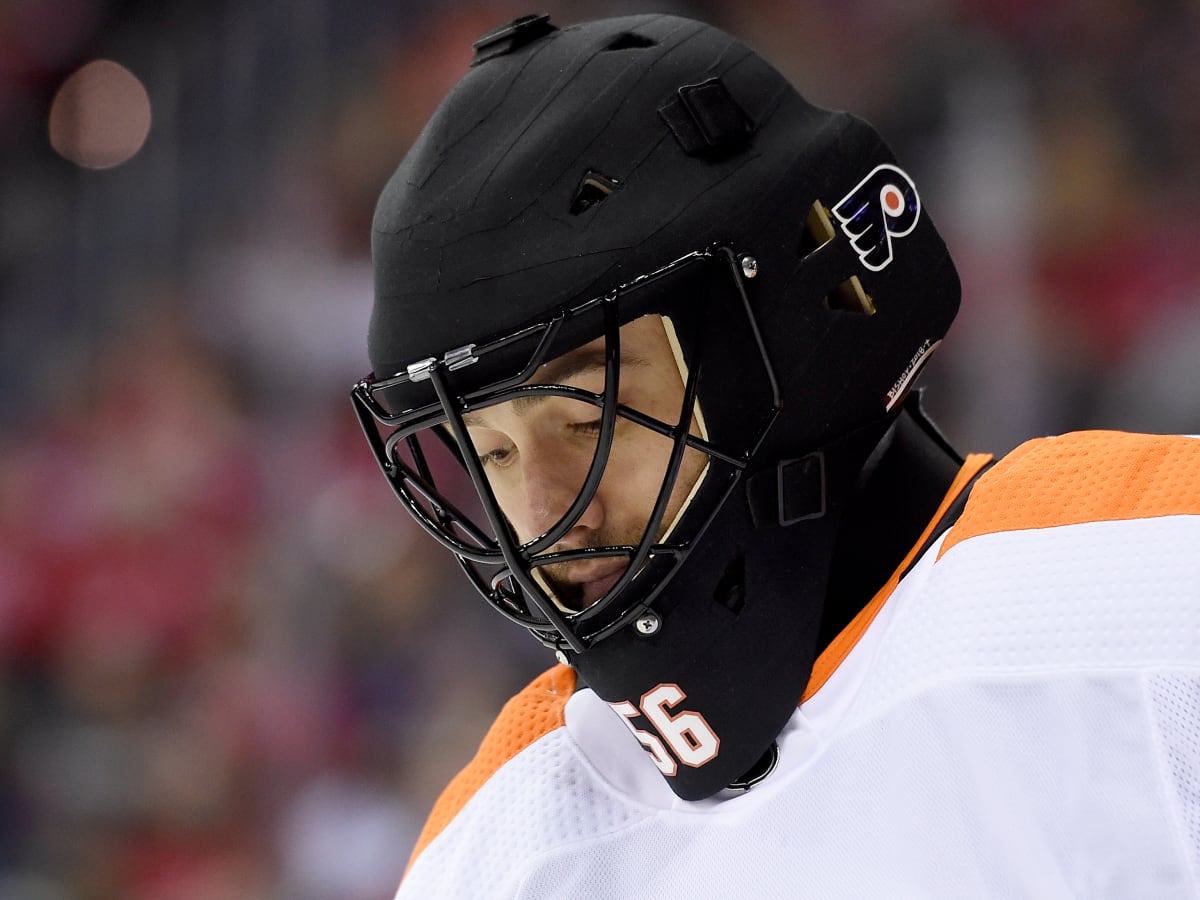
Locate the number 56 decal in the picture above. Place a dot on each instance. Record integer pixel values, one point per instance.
(689, 737)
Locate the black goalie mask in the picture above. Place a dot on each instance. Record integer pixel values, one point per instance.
(578, 190)
(700, 301)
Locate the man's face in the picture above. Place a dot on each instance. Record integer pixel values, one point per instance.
(536, 453)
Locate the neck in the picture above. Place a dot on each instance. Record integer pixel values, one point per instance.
(898, 493)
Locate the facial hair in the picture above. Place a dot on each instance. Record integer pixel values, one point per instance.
(569, 593)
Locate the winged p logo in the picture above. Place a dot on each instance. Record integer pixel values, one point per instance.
(882, 206)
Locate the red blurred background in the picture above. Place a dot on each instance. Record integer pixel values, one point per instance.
(229, 668)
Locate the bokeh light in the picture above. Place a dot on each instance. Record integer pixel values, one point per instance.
(100, 116)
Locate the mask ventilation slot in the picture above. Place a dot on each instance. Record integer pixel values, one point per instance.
(850, 295)
(629, 41)
(593, 190)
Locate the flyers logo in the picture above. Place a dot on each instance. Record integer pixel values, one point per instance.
(882, 206)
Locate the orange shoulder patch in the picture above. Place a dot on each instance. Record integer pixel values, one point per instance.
(536, 711)
(1086, 476)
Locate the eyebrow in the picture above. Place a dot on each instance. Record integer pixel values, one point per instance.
(560, 370)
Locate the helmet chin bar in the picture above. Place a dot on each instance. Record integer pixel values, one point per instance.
(501, 567)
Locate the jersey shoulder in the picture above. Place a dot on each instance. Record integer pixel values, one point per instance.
(1073, 554)
(529, 802)
(1081, 477)
(530, 715)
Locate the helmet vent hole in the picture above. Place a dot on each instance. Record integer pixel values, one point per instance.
(850, 296)
(593, 190)
(818, 230)
(629, 41)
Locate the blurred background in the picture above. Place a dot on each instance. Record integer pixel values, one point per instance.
(228, 666)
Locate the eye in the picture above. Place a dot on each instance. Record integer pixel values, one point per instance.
(590, 427)
(500, 456)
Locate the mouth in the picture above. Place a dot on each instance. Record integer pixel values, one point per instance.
(581, 586)
(596, 587)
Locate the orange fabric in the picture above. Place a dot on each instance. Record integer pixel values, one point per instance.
(534, 712)
(1090, 476)
(841, 645)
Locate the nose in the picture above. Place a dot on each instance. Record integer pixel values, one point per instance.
(552, 480)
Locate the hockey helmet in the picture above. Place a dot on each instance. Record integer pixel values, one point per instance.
(575, 181)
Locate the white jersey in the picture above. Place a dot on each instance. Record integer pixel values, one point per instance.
(1018, 716)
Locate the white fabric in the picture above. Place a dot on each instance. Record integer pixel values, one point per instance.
(1021, 720)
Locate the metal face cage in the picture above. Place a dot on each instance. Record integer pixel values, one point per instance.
(414, 423)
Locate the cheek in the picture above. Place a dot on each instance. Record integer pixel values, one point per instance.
(508, 499)
(635, 471)
(505, 495)
(694, 463)
(691, 470)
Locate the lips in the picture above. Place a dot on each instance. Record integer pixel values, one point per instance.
(595, 588)
(579, 584)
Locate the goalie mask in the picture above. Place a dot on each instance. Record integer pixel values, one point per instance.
(635, 238)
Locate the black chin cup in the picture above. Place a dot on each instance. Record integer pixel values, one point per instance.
(416, 424)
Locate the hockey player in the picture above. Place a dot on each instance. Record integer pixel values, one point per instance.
(665, 316)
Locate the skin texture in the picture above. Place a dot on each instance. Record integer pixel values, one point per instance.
(537, 452)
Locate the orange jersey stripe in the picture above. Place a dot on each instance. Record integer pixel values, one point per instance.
(840, 646)
(533, 713)
(1090, 476)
